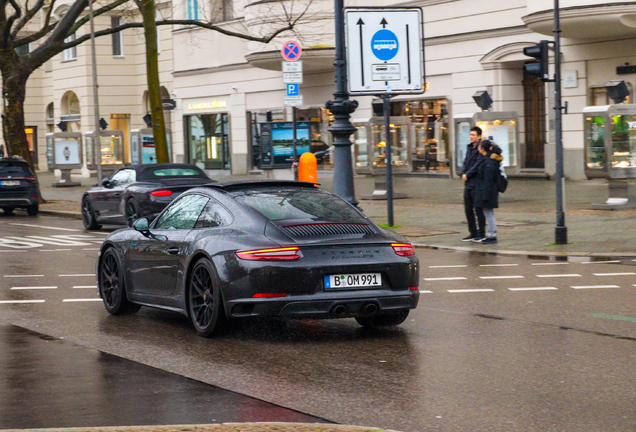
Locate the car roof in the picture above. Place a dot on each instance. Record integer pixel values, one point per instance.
(232, 186)
(14, 160)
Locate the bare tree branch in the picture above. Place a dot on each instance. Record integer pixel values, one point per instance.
(27, 17)
(98, 12)
(6, 31)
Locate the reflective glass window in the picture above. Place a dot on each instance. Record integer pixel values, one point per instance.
(504, 134)
(183, 213)
(361, 147)
(214, 215)
(595, 142)
(624, 141)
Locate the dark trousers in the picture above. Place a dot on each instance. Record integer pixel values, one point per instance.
(471, 211)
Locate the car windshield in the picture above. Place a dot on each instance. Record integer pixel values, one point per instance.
(301, 204)
(14, 168)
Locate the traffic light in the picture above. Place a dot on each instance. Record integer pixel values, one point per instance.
(540, 67)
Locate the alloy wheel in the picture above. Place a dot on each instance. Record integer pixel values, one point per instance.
(202, 297)
(109, 280)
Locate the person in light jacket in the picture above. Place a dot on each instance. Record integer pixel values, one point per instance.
(487, 189)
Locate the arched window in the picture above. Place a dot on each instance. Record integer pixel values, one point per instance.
(70, 109)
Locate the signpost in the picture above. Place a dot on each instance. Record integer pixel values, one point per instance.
(385, 58)
(292, 78)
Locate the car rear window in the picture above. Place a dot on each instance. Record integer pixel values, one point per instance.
(14, 168)
(171, 172)
(301, 204)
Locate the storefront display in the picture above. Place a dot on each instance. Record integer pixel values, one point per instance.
(370, 145)
(610, 141)
(111, 145)
(501, 128)
(143, 146)
(208, 139)
(279, 137)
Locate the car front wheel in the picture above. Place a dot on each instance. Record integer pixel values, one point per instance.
(204, 299)
(132, 212)
(112, 286)
(384, 320)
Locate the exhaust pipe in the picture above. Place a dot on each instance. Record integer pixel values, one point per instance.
(370, 308)
(339, 310)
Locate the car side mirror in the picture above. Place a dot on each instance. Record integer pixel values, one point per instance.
(105, 182)
(142, 225)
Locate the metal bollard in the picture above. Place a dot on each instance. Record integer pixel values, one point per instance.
(308, 168)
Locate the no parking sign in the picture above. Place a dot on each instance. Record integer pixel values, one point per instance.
(291, 51)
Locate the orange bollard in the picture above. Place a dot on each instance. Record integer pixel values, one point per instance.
(308, 168)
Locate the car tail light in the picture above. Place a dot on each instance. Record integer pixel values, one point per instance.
(414, 288)
(403, 249)
(277, 254)
(161, 193)
(269, 295)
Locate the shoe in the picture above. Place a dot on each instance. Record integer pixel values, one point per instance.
(479, 239)
(470, 238)
(489, 240)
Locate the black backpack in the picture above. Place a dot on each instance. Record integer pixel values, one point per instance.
(502, 183)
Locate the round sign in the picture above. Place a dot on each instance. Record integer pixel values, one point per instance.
(384, 44)
(291, 51)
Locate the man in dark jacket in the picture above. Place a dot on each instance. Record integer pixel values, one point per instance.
(468, 174)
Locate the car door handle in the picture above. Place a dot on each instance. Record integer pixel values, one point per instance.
(173, 250)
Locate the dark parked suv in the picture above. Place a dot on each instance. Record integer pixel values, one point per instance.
(18, 186)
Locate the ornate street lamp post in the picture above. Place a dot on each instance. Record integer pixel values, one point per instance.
(341, 108)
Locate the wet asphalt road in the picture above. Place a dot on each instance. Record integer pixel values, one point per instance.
(497, 343)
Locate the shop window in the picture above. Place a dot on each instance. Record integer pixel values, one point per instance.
(595, 142)
(208, 141)
(118, 38)
(623, 141)
(121, 122)
(70, 109)
(504, 134)
(70, 54)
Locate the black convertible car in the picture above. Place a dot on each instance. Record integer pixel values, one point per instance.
(260, 249)
(137, 191)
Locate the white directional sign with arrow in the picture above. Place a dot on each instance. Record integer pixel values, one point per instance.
(385, 52)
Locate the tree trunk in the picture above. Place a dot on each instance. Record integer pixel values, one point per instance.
(154, 92)
(14, 91)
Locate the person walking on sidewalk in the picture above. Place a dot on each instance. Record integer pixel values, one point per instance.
(468, 174)
(487, 187)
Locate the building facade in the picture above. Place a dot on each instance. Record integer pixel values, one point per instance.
(226, 88)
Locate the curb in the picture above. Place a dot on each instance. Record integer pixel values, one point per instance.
(526, 253)
(61, 213)
(223, 427)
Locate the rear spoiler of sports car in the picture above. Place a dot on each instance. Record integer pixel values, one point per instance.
(250, 184)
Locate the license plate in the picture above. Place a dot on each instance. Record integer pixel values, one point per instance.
(353, 280)
(10, 183)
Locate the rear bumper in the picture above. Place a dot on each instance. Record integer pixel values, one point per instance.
(18, 202)
(326, 305)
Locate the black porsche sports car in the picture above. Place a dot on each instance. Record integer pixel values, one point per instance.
(260, 249)
(138, 191)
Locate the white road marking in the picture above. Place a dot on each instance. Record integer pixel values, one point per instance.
(46, 250)
(444, 279)
(470, 290)
(448, 266)
(77, 275)
(60, 250)
(82, 300)
(614, 274)
(426, 292)
(20, 301)
(90, 249)
(33, 287)
(533, 289)
(594, 286)
(601, 262)
(556, 263)
(13, 251)
(559, 275)
(498, 265)
(85, 286)
(23, 276)
(46, 227)
(501, 277)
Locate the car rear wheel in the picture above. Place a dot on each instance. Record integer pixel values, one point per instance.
(384, 320)
(132, 211)
(88, 215)
(8, 210)
(112, 285)
(204, 299)
(33, 210)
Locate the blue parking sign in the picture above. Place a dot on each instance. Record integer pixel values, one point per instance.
(293, 89)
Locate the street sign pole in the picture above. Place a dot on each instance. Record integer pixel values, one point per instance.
(294, 141)
(560, 231)
(386, 108)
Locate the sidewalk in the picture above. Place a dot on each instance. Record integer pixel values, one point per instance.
(433, 214)
(224, 427)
